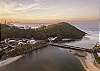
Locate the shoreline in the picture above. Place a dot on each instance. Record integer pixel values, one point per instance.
(23, 49)
(88, 62)
(9, 60)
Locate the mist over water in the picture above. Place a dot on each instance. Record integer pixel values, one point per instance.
(92, 28)
(56, 59)
(92, 36)
(46, 59)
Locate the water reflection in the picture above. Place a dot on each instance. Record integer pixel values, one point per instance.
(46, 59)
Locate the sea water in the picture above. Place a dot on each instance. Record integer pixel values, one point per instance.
(54, 59)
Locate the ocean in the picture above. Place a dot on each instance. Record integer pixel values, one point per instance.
(93, 34)
(56, 59)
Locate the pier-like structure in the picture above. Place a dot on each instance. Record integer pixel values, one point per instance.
(72, 47)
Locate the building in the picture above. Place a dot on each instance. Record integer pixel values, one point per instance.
(98, 53)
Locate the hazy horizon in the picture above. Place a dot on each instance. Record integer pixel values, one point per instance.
(45, 10)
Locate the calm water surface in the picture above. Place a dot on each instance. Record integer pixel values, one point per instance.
(56, 59)
(46, 59)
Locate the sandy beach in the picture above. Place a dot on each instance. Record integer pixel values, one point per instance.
(9, 60)
(87, 60)
(89, 63)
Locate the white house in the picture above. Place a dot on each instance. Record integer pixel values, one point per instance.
(32, 41)
(11, 41)
(98, 53)
(52, 39)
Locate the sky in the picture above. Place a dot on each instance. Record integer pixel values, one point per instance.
(49, 9)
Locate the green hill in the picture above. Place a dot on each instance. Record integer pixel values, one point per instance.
(65, 30)
(60, 30)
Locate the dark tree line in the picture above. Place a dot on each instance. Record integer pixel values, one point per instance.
(60, 30)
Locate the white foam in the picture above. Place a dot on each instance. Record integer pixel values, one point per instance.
(9, 60)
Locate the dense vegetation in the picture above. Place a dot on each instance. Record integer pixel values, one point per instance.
(97, 49)
(23, 48)
(60, 30)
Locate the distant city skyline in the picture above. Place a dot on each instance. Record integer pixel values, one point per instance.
(30, 10)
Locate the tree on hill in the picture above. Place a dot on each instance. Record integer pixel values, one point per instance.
(60, 30)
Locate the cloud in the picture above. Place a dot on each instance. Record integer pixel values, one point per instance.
(19, 7)
(48, 8)
(25, 7)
